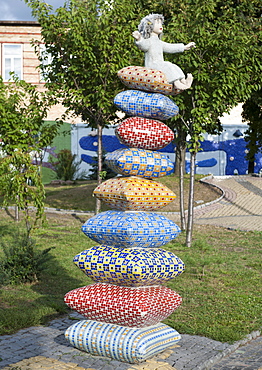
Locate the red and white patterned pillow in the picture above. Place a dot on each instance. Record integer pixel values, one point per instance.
(134, 307)
(144, 133)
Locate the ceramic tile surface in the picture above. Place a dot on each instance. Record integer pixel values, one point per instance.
(131, 229)
(148, 105)
(142, 78)
(144, 133)
(129, 266)
(127, 306)
(134, 193)
(139, 162)
(121, 343)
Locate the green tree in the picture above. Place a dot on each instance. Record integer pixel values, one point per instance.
(89, 41)
(226, 65)
(24, 134)
(252, 114)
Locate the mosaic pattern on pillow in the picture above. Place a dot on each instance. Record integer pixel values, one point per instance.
(129, 266)
(132, 345)
(148, 105)
(131, 229)
(134, 194)
(127, 306)
(144, 133)
(139, 162)
(147, 79)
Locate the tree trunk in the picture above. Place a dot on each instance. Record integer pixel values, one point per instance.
(180, 158)
(99, 164)
(189, 230)
(180, 171)
(16, 213)
(181, 196)
(251, 166)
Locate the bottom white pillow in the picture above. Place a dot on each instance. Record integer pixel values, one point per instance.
(121, 343)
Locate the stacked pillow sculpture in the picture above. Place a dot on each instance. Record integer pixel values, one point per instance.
(127, 301)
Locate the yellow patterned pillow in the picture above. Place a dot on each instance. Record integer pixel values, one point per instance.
(142, 78)
(134, 193)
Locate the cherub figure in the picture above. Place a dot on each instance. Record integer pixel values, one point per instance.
(148, 40)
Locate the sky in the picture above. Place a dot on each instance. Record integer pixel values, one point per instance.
(17, 10)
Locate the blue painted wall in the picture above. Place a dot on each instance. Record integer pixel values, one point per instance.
(234, 150)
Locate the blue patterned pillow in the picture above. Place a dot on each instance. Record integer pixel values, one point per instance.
(132, 345)
(148, 105)
(130, 266)
(131, 229)
(139, 162)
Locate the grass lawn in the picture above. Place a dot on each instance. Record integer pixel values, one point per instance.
(221, 286)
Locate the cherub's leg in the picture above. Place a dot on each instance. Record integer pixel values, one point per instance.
(178, 84)
(184, 83)
(188, 81)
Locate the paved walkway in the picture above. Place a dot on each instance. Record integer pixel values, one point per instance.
(44, 347)
(241, 206)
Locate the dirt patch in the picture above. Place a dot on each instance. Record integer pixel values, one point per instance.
(78, 198)
(203, 193)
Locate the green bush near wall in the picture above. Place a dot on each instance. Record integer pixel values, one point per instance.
(61, 141)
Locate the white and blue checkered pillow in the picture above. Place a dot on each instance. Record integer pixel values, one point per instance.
(148, 105)
(131, 229)
(132, 345)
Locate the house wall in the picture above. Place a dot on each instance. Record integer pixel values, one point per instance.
(24, 33)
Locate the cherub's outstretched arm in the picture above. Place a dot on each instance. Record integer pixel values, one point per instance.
(136, 35)
(190, 46)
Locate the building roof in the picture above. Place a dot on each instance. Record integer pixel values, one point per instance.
(20, 23)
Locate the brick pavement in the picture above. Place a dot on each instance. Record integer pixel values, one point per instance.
(240, 208)
(45, 348)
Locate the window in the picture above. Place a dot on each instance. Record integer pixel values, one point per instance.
(46, 60)
(12, 60)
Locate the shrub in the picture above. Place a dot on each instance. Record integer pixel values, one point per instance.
(66, 166)
(22, 263)
(106, 172)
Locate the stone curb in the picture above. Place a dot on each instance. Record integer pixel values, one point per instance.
(232, 348)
